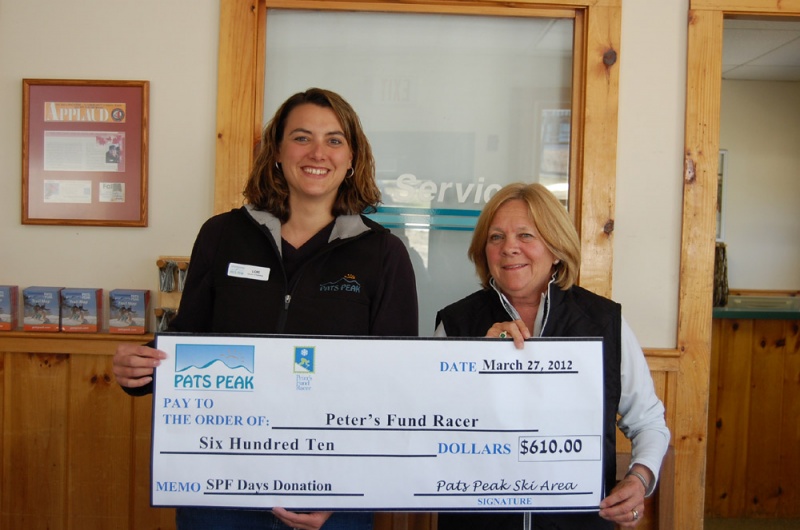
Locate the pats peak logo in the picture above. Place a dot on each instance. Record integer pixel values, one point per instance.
(214, 367)
(346, 283)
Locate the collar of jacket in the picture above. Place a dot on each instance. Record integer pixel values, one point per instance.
(344, 226)
(544, 305)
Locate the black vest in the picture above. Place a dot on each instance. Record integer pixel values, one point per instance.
(575, 312)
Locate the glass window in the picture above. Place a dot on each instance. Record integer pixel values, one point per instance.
(455, 106)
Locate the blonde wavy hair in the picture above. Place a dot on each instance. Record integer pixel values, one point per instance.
(552, 222)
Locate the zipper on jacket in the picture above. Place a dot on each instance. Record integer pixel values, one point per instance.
(290, 286)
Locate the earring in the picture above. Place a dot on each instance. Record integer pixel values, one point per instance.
(278, 166)
(350, 173)
(556, 262)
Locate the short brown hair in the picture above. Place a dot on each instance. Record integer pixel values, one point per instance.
(551, 220)
(266, 188)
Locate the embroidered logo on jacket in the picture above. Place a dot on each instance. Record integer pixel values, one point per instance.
(346, 283)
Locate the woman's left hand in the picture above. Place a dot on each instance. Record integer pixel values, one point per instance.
(625, 504)
(301, 521)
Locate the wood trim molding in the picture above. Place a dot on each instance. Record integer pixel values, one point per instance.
(237, 72)
(66, 343)
(704, 83)
(240, 100)
(756, 7)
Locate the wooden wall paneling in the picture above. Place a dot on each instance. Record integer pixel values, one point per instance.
(713, 416)
(667, 477)
(663, 365)
(754, 460)
(99, 440)
(660, 380)
(405, 521)
(654, 510)
(35, 442)
(143, 516)
(3, 488)
(731, 420)
(666, 492)
(716, 326)
(789, 502)
(672, 408)
(762, 487)
(423, 521)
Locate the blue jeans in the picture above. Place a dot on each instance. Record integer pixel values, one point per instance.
(225, 519)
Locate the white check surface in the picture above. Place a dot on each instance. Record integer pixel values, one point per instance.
(338, 423)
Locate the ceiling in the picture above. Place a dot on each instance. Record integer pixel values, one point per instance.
(763, 50)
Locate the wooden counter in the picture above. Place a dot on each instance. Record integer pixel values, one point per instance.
(75, 447)
(753, 457)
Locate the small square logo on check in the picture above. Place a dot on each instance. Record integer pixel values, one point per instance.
(303, 360)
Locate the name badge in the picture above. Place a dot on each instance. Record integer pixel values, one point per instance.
(251, 272)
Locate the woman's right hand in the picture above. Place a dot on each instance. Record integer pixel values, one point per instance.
(515, 329)
(134, 364)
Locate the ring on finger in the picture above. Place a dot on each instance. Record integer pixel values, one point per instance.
(635, 515)
(503, 335)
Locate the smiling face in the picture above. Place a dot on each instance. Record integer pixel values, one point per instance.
(314, 154)
(519, 261)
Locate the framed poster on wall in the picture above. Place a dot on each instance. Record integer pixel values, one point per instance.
(84, 152)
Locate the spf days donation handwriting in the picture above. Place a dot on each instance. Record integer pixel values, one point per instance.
(357, 423)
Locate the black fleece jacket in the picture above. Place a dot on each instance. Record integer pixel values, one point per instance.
(575, 312)
(361, 282)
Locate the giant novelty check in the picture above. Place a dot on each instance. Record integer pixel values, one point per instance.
(384, 424)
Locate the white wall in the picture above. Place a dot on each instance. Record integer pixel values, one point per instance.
(760, 129)
(175, 48)
(652, 102)
(171, 43)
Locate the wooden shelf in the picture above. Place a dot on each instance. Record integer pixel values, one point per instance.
(66, 343)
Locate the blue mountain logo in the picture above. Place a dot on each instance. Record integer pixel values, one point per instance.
(204, 356)
(220, 367)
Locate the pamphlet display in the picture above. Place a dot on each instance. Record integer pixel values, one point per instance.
(42, 308)
(81, 310)
(9, 307)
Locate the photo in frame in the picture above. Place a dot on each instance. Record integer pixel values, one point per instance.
(84, 152)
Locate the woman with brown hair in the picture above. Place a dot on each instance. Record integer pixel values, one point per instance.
(298, 258)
